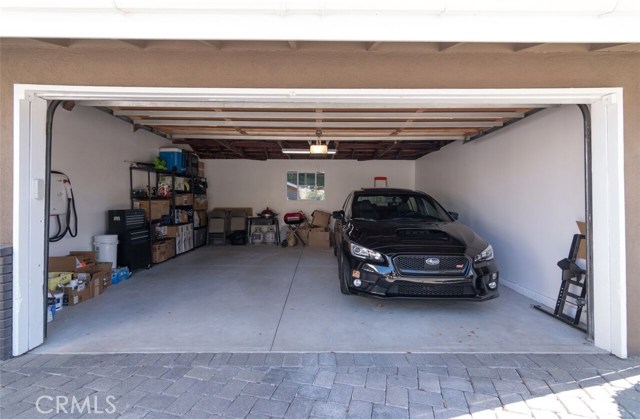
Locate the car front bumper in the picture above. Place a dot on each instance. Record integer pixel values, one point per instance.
(383, 281)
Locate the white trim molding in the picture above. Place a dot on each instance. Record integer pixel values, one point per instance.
(609, 258)
(567, 21)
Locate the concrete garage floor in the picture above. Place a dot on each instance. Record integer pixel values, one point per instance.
(266, 298)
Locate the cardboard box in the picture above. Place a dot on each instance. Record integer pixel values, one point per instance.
(159, 207)
(167, 231)
(200, 203)
(103, 275)
(200, 168)
(73, 296)
(94, 276)
(57, 279)
(319, 238)
(320, 218)
(85, 257)
(180, 216)
(184, 199)
(200, 219)
(62, 263)
(582, 250)
(97, 277)
(162, 250)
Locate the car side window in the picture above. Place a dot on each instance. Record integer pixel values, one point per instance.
(347, 206)
(413, 205)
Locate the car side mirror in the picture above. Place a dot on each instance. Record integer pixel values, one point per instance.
(338, 215)
(454, 215)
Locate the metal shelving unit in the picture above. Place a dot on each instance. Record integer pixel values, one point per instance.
(153, 175)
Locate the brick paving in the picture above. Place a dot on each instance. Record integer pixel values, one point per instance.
(325, 385)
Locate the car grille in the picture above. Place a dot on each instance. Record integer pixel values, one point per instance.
(417, 265)
(437, 290)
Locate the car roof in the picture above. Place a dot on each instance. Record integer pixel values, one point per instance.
(387, 191)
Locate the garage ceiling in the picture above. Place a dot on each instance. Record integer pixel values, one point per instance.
(261, 132)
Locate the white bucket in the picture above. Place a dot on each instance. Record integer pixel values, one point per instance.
(106, 248)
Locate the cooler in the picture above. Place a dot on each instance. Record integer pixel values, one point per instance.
(176, 159)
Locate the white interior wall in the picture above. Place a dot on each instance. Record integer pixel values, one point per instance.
(94, 149)
(522, 189)
(258, 184)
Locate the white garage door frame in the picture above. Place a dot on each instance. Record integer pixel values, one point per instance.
(609, 257)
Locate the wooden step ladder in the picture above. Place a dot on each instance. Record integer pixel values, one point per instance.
(573, 289)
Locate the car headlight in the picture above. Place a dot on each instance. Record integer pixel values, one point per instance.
(364, 253)
(486, 254)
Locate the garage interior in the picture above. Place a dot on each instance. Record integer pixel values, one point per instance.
(515, 175)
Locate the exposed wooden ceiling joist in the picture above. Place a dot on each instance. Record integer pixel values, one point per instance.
(310, 138)
(260, 130)
(138, 114)
(372, 104)
(317, 124)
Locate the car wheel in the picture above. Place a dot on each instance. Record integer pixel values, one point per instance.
(335, 246)
(344, 274)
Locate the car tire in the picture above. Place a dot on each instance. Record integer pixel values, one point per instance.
(343, 275)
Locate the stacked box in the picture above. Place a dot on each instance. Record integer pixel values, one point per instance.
(183, 235)
(74, 296)
(159, 207)
(200, 203)
(320, 219)
(93, 277)
(183, 199)
(319, 236)
(163, 250)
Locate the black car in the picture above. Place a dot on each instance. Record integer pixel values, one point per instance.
(404, 244)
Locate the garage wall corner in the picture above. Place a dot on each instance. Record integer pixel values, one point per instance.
(522, 189)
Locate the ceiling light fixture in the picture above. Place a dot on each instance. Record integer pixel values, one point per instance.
(318, 148)
(301, 151)
(315, 150)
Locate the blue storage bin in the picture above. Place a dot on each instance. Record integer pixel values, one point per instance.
(175, 159)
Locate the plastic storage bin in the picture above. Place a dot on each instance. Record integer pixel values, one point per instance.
(176, 159)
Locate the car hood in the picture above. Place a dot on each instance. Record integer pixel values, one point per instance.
(403, 236)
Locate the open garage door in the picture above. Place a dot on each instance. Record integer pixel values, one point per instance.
(362, 125)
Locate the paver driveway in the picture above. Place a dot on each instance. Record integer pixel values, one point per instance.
(324, 385)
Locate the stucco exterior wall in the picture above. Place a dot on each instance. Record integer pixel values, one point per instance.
(184, 67)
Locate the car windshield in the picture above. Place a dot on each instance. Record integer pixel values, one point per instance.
(398, 207)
